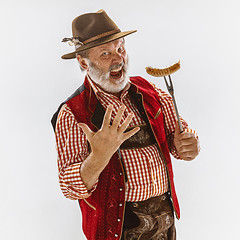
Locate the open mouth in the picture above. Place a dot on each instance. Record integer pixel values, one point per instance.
(116, 73)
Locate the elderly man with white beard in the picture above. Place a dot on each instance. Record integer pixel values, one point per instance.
(114, 137)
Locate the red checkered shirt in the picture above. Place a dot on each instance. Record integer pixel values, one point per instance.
(147, 176)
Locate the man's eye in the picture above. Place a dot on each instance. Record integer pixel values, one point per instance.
(121, 49)
(105, 53)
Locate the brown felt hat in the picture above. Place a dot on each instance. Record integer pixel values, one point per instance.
(93, 29)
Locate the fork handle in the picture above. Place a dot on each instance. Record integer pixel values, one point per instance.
(176, 110)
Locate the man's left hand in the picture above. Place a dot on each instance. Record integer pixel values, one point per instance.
(186, 144)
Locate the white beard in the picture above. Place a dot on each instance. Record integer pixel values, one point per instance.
(102, 79)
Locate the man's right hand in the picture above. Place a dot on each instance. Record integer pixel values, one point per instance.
(104, 143)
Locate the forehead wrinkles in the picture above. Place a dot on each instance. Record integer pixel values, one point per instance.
(111, 45)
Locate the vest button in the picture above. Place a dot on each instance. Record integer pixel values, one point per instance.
(120, 174)
(120, 204)
(120, 189)
(116, 235)
(135, 205)
(163, 197)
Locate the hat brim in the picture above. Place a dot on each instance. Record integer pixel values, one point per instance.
(96, 43)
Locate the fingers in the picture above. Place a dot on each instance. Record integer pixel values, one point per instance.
(186, 142)
(177, 129)
(188, 156)
(188, 145)
(88, 132)
(188, 149)
(118, 117)
(186, 135)
(125, 124)
(130, 133)
(107, 117)
(116, 127)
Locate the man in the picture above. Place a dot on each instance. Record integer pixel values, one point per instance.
(114, 135)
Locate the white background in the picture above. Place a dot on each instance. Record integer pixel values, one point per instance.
(204, 35)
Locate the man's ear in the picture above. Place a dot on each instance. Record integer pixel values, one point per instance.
(82, 61)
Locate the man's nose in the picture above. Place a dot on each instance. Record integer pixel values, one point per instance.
(117, 58)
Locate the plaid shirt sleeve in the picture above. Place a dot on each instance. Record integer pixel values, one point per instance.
(171, 119)
(72, 150)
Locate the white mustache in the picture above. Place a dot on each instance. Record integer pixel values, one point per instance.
(116, 67)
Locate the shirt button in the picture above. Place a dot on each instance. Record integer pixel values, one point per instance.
(151, 160)
(116, 235)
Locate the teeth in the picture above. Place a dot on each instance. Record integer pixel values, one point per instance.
(116, 70)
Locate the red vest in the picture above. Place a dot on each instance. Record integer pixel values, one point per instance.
(103, 211)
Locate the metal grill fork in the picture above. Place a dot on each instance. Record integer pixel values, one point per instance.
(171, 92)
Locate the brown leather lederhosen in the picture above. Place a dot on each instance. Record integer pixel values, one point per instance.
(152, 219)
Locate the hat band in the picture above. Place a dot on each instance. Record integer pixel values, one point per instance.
(101, 36)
